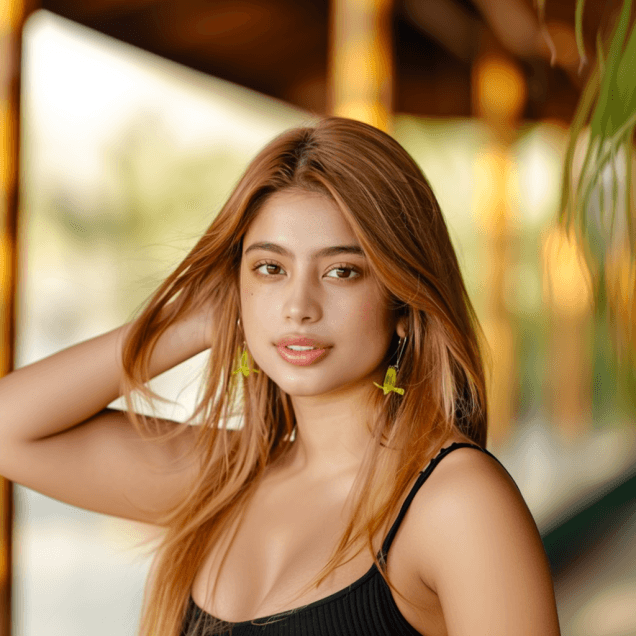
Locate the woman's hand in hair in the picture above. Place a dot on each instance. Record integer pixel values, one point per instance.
(196, 325)
(202, 320)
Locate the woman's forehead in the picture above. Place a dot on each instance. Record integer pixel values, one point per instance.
(300, 216)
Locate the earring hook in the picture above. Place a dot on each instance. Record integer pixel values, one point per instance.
(401, 351)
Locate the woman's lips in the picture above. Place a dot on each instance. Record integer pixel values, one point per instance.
(301, 358)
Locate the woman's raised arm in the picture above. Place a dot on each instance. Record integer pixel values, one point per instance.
(58, 437)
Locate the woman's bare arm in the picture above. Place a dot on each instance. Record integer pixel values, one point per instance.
(478, 547)
(58, 437)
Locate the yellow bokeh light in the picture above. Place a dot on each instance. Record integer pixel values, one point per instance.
(490, 174)
(11, 14)
(620, 278)
(567, 281)
(500, 88)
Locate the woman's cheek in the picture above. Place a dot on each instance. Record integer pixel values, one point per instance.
(248, 289)
(365, 312)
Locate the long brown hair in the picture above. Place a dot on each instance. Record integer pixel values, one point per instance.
(395, 216)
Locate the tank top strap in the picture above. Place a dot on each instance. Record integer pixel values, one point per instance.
(423, 476)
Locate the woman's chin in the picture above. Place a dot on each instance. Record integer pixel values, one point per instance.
(305, 388)
(302, 388)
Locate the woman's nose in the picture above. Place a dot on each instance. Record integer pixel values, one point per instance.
(303, 299)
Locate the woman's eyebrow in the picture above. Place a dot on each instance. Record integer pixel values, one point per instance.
(325, 251)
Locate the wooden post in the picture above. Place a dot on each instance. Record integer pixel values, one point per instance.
(361, 61)
(498, 94)
(567, 295)
(13, 14)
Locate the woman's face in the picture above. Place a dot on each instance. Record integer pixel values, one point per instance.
(288, 289)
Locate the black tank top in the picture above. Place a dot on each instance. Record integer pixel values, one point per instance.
(365, 607)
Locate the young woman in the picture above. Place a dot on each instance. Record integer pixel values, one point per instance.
(356, 496)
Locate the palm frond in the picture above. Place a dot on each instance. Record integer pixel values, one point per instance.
(578, 33)
(604, 180)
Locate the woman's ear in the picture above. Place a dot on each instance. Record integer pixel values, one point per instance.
(401, 327)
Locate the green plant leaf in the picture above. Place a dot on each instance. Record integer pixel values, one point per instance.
(600, 54)
(608, 102)
(609, 111)
(578, 33)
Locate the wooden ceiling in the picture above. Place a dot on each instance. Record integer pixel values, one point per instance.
(280, 47)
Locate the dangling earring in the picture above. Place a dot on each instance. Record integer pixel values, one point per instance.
(391, 373)
(244, 367)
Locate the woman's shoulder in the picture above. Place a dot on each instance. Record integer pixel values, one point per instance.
(463, 486)
(470, 482)
(472, 539)
(474, 542)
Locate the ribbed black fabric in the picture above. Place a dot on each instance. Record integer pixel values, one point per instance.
(364, 608)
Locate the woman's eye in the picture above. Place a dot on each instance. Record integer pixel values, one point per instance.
(348, 270)
(267, 265)
(266, 270)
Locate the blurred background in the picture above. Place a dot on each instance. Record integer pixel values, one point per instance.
(125, 126)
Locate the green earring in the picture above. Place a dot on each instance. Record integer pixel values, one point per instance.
(244, 366)
(391, 373)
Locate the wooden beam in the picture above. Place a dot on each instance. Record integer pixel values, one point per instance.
(499, 95)
(449, 23)
(85, 10)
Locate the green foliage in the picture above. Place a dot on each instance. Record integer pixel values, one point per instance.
(578, 32)
(608, 103)
(612, 85)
